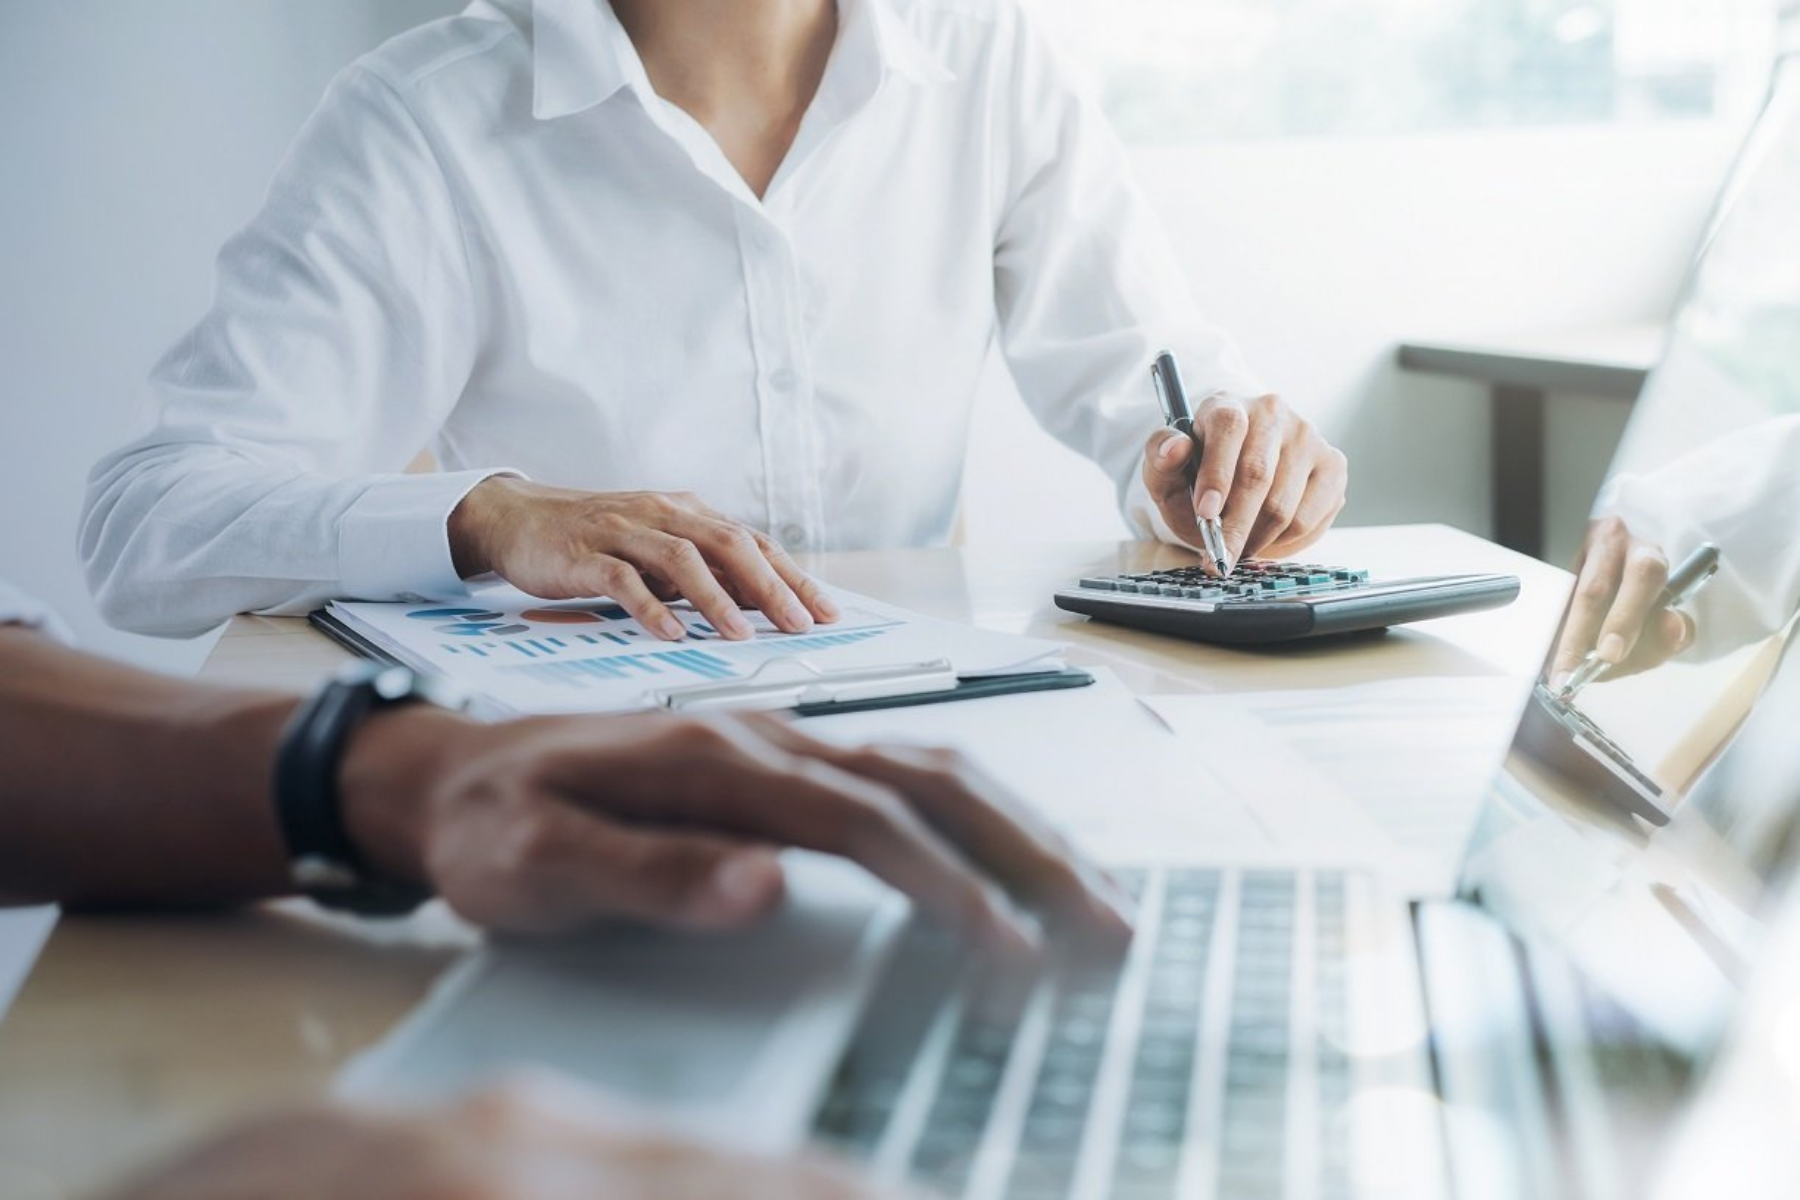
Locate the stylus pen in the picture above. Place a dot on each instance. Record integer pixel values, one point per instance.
(1694, 573)
(1179, 416)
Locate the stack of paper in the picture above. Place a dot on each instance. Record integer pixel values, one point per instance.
(518, 655)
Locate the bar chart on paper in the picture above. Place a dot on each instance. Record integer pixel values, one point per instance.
(524, 655)
(578, 646)
(561, 633)
(660, 668)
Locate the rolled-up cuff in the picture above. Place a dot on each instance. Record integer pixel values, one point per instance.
(394, 542)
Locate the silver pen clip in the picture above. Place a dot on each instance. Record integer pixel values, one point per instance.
(792, 682)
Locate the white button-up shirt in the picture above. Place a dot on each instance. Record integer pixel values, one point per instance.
(494, 238)
(1740, 492)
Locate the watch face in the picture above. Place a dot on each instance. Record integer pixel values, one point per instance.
(315, 873)
(393, 683)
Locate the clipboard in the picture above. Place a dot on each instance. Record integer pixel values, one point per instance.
(797, 686)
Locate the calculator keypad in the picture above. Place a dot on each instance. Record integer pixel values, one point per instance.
(1252, 580)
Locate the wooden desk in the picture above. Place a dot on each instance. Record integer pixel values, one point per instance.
(1521, 374)
(133, 1034)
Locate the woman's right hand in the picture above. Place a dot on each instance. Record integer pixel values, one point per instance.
(1613, 611)
(638, 549)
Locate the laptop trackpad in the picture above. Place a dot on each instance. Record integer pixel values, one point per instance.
(727, 1036)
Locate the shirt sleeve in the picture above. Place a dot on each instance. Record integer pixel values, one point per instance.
(342, 334)
(16, 608)
(1742, 494)
(1086, 283)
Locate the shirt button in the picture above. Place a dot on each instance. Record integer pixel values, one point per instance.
(792, 535)
(783, 379)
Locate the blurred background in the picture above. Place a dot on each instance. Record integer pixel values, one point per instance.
(1339, 177)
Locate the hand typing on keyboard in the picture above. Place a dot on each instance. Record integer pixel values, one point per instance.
(1263, 471)
(554, 824)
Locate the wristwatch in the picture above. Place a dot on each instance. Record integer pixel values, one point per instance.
(322, 862)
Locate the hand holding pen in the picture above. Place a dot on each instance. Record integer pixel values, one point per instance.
(1623, 617)
(1237, 479)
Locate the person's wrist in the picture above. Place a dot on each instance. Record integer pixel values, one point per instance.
(471, 523)
(389, 778)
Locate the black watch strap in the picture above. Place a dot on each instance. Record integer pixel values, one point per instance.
(322, 859)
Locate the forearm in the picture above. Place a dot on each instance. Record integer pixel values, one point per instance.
(121, 787)
(177, 538)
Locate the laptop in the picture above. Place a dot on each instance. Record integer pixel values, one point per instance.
(1279, 1030)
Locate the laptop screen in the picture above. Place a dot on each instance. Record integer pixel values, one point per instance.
(1646, 814)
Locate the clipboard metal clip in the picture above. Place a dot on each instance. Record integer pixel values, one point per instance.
(792, 682)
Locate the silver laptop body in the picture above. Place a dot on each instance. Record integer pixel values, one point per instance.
(1282, 1032)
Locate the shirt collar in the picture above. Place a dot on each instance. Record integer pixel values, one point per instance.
(901, 51)
(582, 56)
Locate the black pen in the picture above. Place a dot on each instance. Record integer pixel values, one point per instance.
(1179, 416)
(1694, 573)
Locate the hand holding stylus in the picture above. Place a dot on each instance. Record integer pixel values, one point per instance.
(1239, 479)
(1623, 616)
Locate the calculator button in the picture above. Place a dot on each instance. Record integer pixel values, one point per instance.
(1101, 585)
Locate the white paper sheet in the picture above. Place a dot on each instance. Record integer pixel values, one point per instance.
(1098, 764)
(522, 655)
(1406, 762)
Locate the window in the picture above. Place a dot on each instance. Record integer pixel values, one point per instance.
(1186, 70)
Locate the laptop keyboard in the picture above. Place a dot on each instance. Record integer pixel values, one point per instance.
(1137, 1081)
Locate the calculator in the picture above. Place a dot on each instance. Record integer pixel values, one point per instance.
(1263, 602)
(1562, 738)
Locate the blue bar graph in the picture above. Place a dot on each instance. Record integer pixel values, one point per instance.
(727, 660)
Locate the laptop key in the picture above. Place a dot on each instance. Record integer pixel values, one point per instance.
(1152, 1140)
(961, 1110)
(920, 975)
(1062, 1094)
